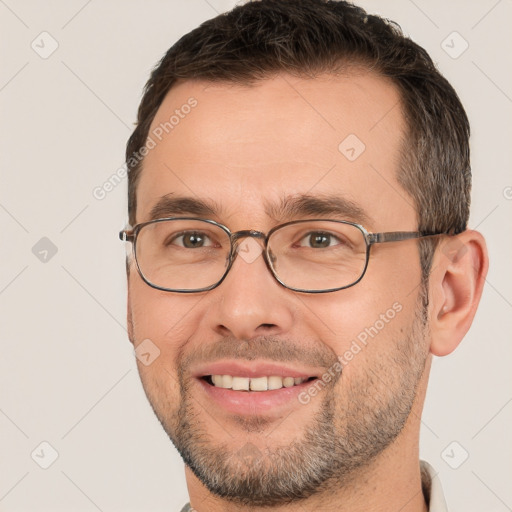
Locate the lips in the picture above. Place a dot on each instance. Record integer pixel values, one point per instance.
(251, 387)
(253, 370)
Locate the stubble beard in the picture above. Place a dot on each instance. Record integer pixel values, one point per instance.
(346, 434)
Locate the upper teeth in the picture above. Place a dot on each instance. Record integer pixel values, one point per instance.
(255, 383)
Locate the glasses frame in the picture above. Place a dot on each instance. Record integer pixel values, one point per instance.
(130, 235)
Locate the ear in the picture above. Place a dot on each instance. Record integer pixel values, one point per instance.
(456, 281)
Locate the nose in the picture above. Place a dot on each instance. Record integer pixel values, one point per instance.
(250, 302)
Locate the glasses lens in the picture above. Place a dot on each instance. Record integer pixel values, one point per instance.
(182, 254)
(318, 255)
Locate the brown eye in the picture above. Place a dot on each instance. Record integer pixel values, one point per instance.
(192, 240)
(319, 240)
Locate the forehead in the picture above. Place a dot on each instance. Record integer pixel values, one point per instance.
(243, 148)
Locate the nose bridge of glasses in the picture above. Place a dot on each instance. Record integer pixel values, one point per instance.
(241, 244)
(247, 233)
(239, 236)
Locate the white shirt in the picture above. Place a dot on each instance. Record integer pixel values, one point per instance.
(432, 489)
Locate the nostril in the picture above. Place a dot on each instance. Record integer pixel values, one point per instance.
(223, 330)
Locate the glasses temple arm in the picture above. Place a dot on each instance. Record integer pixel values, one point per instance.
(126, 235)
(397, 236)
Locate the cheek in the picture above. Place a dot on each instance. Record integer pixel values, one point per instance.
(365, 330)
(161, 324)
(375, 312)
(167, 319)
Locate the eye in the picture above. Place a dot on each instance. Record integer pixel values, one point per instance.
(319, 240)
(192, 240)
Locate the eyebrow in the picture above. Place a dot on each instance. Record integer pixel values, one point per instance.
(170, 205)
(304, 205)
(289, 208)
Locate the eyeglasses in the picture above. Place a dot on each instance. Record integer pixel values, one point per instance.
(187, 255)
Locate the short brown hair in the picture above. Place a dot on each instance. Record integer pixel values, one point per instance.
(308, 37)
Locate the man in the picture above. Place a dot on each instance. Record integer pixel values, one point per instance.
(298, 199)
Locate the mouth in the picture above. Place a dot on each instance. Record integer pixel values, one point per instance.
(258, 384)
(254, 388)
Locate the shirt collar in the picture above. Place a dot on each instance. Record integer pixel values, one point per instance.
(432, 489)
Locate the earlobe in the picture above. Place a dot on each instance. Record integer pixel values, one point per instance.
(456, 283)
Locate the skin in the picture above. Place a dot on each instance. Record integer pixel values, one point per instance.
(244, 147)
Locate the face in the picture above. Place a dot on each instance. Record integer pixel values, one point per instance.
(241, 156)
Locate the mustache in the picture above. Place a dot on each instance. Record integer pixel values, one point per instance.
(270, 348)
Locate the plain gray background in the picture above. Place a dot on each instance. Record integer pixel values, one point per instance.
(68, 374)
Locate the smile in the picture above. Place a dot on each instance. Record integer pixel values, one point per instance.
(269, 383)
(254, 387)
